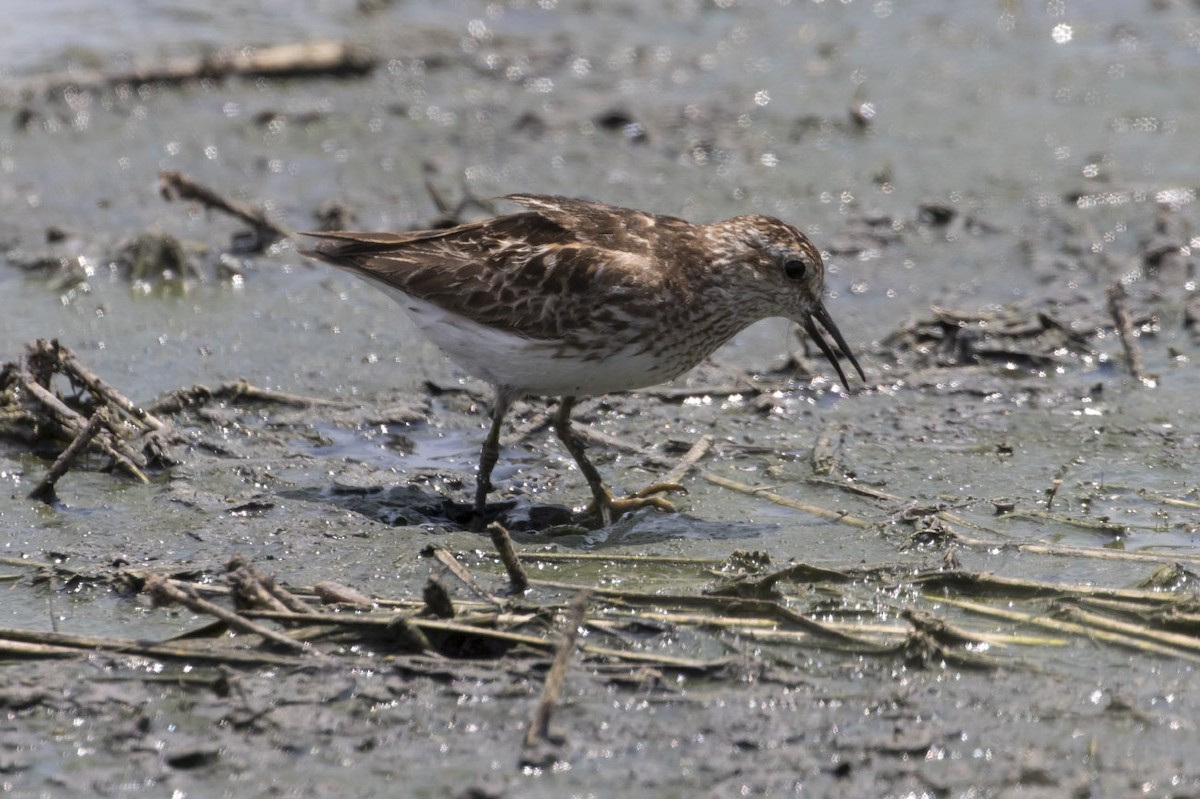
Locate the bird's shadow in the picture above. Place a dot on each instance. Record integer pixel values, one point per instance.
(419, 506)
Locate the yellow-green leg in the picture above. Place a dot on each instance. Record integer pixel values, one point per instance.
(609, 507)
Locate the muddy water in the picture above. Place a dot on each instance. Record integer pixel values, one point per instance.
(1002, 113)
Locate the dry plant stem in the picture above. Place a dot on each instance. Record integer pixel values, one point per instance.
(331, 593)
(726, 605)
(234, 391)
(1177, 640)
(689, 460)
(178, 186)
(447, 559)
(1070, 627)
(659, 660)
(1032, 549)
(508, 556)
(540, 724)
(984, 584)
(86, 644)
(1133, 353)
(1052, 492)
(77, 372)
(824, 453)
(109, 444)
(44, 491)
(584, 557)
(1084, 524)
(21, 649)
(377, 621)
(248, 588)
(298, 60)
(246, 580)
(284, 596)
(163, 589)
(836, 516)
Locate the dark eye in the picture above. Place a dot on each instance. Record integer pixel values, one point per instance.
(795, 269)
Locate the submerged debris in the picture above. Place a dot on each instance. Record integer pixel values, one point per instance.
(154, 257)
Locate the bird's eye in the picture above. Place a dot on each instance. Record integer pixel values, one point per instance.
(795, 268)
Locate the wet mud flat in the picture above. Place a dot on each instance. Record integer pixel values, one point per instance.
(976, 573)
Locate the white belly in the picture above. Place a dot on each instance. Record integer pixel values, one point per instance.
(533, 366)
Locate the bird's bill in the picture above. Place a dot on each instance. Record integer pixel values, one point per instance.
(821, 315)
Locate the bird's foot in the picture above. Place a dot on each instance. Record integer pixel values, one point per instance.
(611, 508)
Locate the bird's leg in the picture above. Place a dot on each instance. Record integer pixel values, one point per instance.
(610, 507)
(488, 457)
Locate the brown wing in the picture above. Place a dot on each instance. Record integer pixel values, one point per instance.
(599, 223)
(543, 274)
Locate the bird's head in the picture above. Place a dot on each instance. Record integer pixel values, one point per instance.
(789, 274)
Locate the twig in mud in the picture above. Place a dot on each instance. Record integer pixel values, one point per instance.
(1052, 492)
(688, 461)
(86, 645)
(425, 625)
(237, 390)
(407, 635)
(836, 516)
(1058, 625)
(110, 445)
(537, 422)
(1133, 353)
(165, 590)
(326, 58)
(253, 590)
(75, 371)
(437, 599)
(940, 630)
(824, 453)
(1189, 643)
(609, 441)
(178, 186)
(447, 559)
(539, 727)
(1095, 525)
(44, 490)
(985, 584)
(508, 556)
(331, 593)
(723, 605)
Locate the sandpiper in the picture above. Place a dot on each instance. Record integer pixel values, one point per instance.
(571, 298)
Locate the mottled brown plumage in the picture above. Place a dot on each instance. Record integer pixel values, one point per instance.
(573, 298)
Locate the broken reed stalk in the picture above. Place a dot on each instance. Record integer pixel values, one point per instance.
(447, 559)
(178, 186)
(824, 453)
(1058, 625)
(165, 590)
(77, 372)
(59, 644)
(311, 59)
(109, 444)
(688, 461)
(778, 499)
(331, 593)
(1124, 325)
(235, 391)
(44, 491)
(508, 556)
(539, 726)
